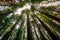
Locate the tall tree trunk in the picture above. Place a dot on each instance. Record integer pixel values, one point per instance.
(41, 32)
(42, 37)
(56, 10)
(6, 36)
(29, 31)
(53, 35)
(19, 30)
(53, 17)
(36, 32)
(3, 15)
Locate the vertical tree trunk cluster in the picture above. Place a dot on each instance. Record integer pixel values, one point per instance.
(6, 36)
(53, 35)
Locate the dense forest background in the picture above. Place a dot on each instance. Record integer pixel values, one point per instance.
(29, 19)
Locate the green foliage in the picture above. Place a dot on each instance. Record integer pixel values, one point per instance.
(9, 22)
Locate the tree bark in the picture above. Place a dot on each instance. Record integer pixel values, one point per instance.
(35, 32)
(53, 35)
(3, 15)
(29, 31)
(18, 33)
(42, 37)
(6, 36)
(53, 17)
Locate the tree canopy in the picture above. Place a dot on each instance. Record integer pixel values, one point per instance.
(29, 20)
